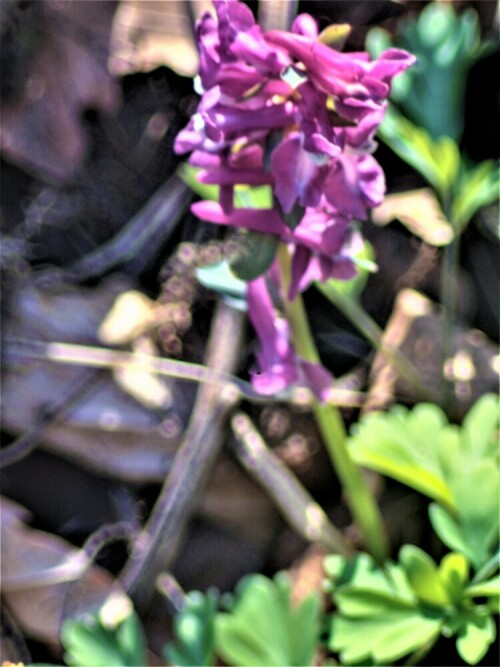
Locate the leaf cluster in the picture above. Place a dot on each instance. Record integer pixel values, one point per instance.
(424, 122)
(457, 467)
(404, 607)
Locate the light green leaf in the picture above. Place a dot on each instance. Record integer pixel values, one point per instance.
(264, 628)
(477, 187)
(194, 628)
(131, 640)
(488, 588)
(454, 573)
(422, 573)
(480, 427)
(447, 528)
(475, 638)
(357, 602)
(88, 644)
(384, 638)
(403, 447)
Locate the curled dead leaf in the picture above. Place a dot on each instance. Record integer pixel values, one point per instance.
(419, 211)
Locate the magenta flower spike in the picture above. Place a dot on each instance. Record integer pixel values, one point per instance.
(269, 115)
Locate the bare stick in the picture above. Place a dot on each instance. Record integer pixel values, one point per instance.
(296, 504)
(102, 357)
(158, 543)
(48, 414)
(142, 236)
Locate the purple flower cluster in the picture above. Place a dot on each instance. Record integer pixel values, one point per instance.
(285, 110)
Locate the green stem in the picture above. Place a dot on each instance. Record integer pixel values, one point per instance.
(352, 309)
(361, 501)
(487, 570)
(449, 300)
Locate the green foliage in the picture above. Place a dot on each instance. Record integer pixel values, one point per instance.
(457, 467)
(254, 256)
(263, 627)
(194, 630)
(386, 614)
(94, 641)
(478, 186)
(220, 278)
(431, 94)
(425, 127)
(351, 289)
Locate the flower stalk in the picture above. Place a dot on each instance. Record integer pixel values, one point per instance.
(331, 425)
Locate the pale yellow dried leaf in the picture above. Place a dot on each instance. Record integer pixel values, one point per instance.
(419, 211)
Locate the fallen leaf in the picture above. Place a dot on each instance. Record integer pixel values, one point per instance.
(105, 429)
(37, 570)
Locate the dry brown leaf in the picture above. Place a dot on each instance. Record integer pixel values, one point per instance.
(147, 34)
(415, 328)
(419, 211)
(63, 70)
(106, 429)
(36, 570)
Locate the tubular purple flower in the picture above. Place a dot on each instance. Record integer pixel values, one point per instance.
(297, 175)
(279, 366)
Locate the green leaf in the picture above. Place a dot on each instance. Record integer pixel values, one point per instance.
(480, 427)
(423, 576)
(455, 466)
(194, 628)
(188, 174)
(403, 445)
(255, 255)
(477, 187)
(447, 528)
(474, 639)
(131, 641)
(357, 602)
(88, 644)
(488, 588)
(438, 160)
(454, 573)
(432, 92)
(220, 278)
(476, 494)
(264, 628)
(383, 638)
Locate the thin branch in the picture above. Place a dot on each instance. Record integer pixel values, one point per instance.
(46, 416)
(101, 357)
(159, 542)
(296, 504)
(141, 237)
